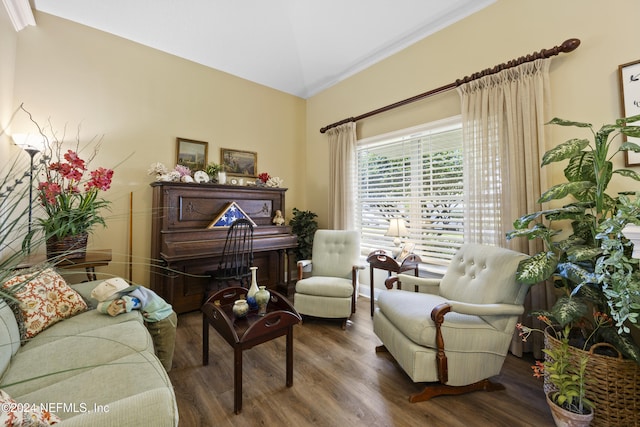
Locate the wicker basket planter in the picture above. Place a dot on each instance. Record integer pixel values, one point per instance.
(70, 247)
(614, 385)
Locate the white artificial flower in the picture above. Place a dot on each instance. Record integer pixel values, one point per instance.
(274, 181)
(157, 169)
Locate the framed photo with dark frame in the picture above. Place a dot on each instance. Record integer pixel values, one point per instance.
(192, 154)
(629, 75)
(239, 163)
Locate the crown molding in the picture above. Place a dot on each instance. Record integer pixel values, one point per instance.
(20, 13)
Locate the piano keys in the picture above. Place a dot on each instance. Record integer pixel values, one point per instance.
(183, 248)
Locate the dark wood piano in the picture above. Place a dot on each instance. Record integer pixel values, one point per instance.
(183, 248)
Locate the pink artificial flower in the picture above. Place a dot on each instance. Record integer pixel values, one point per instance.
(183, 170)
(75, 161)
(100, 179)
(50, 191)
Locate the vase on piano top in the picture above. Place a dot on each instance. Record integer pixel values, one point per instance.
(253, 290)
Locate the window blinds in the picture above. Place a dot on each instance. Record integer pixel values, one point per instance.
(418, 177)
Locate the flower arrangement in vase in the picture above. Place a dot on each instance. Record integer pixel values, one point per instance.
(70, 201)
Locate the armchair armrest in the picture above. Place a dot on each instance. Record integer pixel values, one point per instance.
(303, 265)
(427, 285)
(304, 262)
(486, 309)
(437, 315)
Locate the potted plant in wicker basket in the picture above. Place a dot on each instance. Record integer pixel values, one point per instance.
(585, 262)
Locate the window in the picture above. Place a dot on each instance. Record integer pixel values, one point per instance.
(415, 174)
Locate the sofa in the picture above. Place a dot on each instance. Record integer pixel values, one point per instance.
(86, 369)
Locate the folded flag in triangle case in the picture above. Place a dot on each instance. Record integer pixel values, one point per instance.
(228, 215)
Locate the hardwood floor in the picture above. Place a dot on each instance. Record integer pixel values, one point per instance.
(339, 380)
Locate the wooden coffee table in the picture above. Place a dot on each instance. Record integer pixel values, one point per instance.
(247, 332)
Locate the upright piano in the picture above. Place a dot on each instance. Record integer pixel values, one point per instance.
(183, 248)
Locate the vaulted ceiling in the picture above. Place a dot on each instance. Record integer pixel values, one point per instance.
(295, 46)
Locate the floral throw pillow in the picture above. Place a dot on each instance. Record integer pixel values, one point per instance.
(14, 414)
(44, 299)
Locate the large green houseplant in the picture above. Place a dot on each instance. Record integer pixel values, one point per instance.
(583, 261)
(304, 225)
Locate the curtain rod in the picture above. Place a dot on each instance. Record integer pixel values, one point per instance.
(568, 46)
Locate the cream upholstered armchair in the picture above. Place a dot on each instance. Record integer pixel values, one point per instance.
(456, 330)
(332, 287)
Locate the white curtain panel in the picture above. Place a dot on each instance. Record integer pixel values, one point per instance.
(504, 118)
(342, 160)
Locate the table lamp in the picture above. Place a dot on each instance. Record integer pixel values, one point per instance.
(397, 229)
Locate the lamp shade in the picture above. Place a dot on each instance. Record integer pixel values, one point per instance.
(28, 142)
(397, 228)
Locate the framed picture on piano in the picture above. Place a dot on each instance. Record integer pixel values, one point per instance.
(239, 163)
(192, 154)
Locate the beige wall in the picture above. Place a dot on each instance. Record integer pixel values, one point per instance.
(141, 99)
(138, 100)
(8, 38)
(584, 83)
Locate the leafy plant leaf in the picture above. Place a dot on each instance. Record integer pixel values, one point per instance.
(572, 212)
(566, 150)
(630, 119)
(563, 190)
(583, 253)
(630, 146)
(567, 310)
(575, 272)
(563, 122)
(537, 268)
(580, 168)
(628, 173)
(632, 131)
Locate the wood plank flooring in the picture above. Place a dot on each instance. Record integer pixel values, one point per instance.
(339, 380)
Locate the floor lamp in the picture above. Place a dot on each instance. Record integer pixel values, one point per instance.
(21, 141)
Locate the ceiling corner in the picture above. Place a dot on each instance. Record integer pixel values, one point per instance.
(20, 13)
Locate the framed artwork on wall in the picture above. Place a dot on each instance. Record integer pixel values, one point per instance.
(192, 154)
(239, 163)
(629, 75)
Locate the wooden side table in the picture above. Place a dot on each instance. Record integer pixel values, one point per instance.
(249, 331)
(380, 259)
(93, 259)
